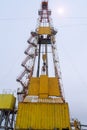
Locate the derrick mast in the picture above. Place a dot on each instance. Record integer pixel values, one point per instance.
(41, 48)
(41, 103)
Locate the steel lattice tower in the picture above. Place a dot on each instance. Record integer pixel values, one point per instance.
(41, 102)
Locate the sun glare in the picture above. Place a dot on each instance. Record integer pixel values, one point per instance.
(60, 11)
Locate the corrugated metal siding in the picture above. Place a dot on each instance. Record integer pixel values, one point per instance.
(42, 116)
(7, 101)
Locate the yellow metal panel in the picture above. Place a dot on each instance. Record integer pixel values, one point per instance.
(34, 86)
(44, 30)
(7, 101)
(43, 95)
(44, 86)
(42, 116)
(54, 89)
(43, 90)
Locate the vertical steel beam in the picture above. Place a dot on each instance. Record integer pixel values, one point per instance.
(6, 119)
(46, 59)
(38, 69)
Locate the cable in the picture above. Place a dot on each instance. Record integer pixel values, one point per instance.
(14, 19)
(27, 18)
(73, 17)
(59, 25)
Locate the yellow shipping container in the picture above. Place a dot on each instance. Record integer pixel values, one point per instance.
(7, 101)
(42, 116)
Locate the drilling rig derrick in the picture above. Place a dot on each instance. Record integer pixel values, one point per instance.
(41, 102)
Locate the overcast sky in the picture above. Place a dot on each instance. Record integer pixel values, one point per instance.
(19, 17)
